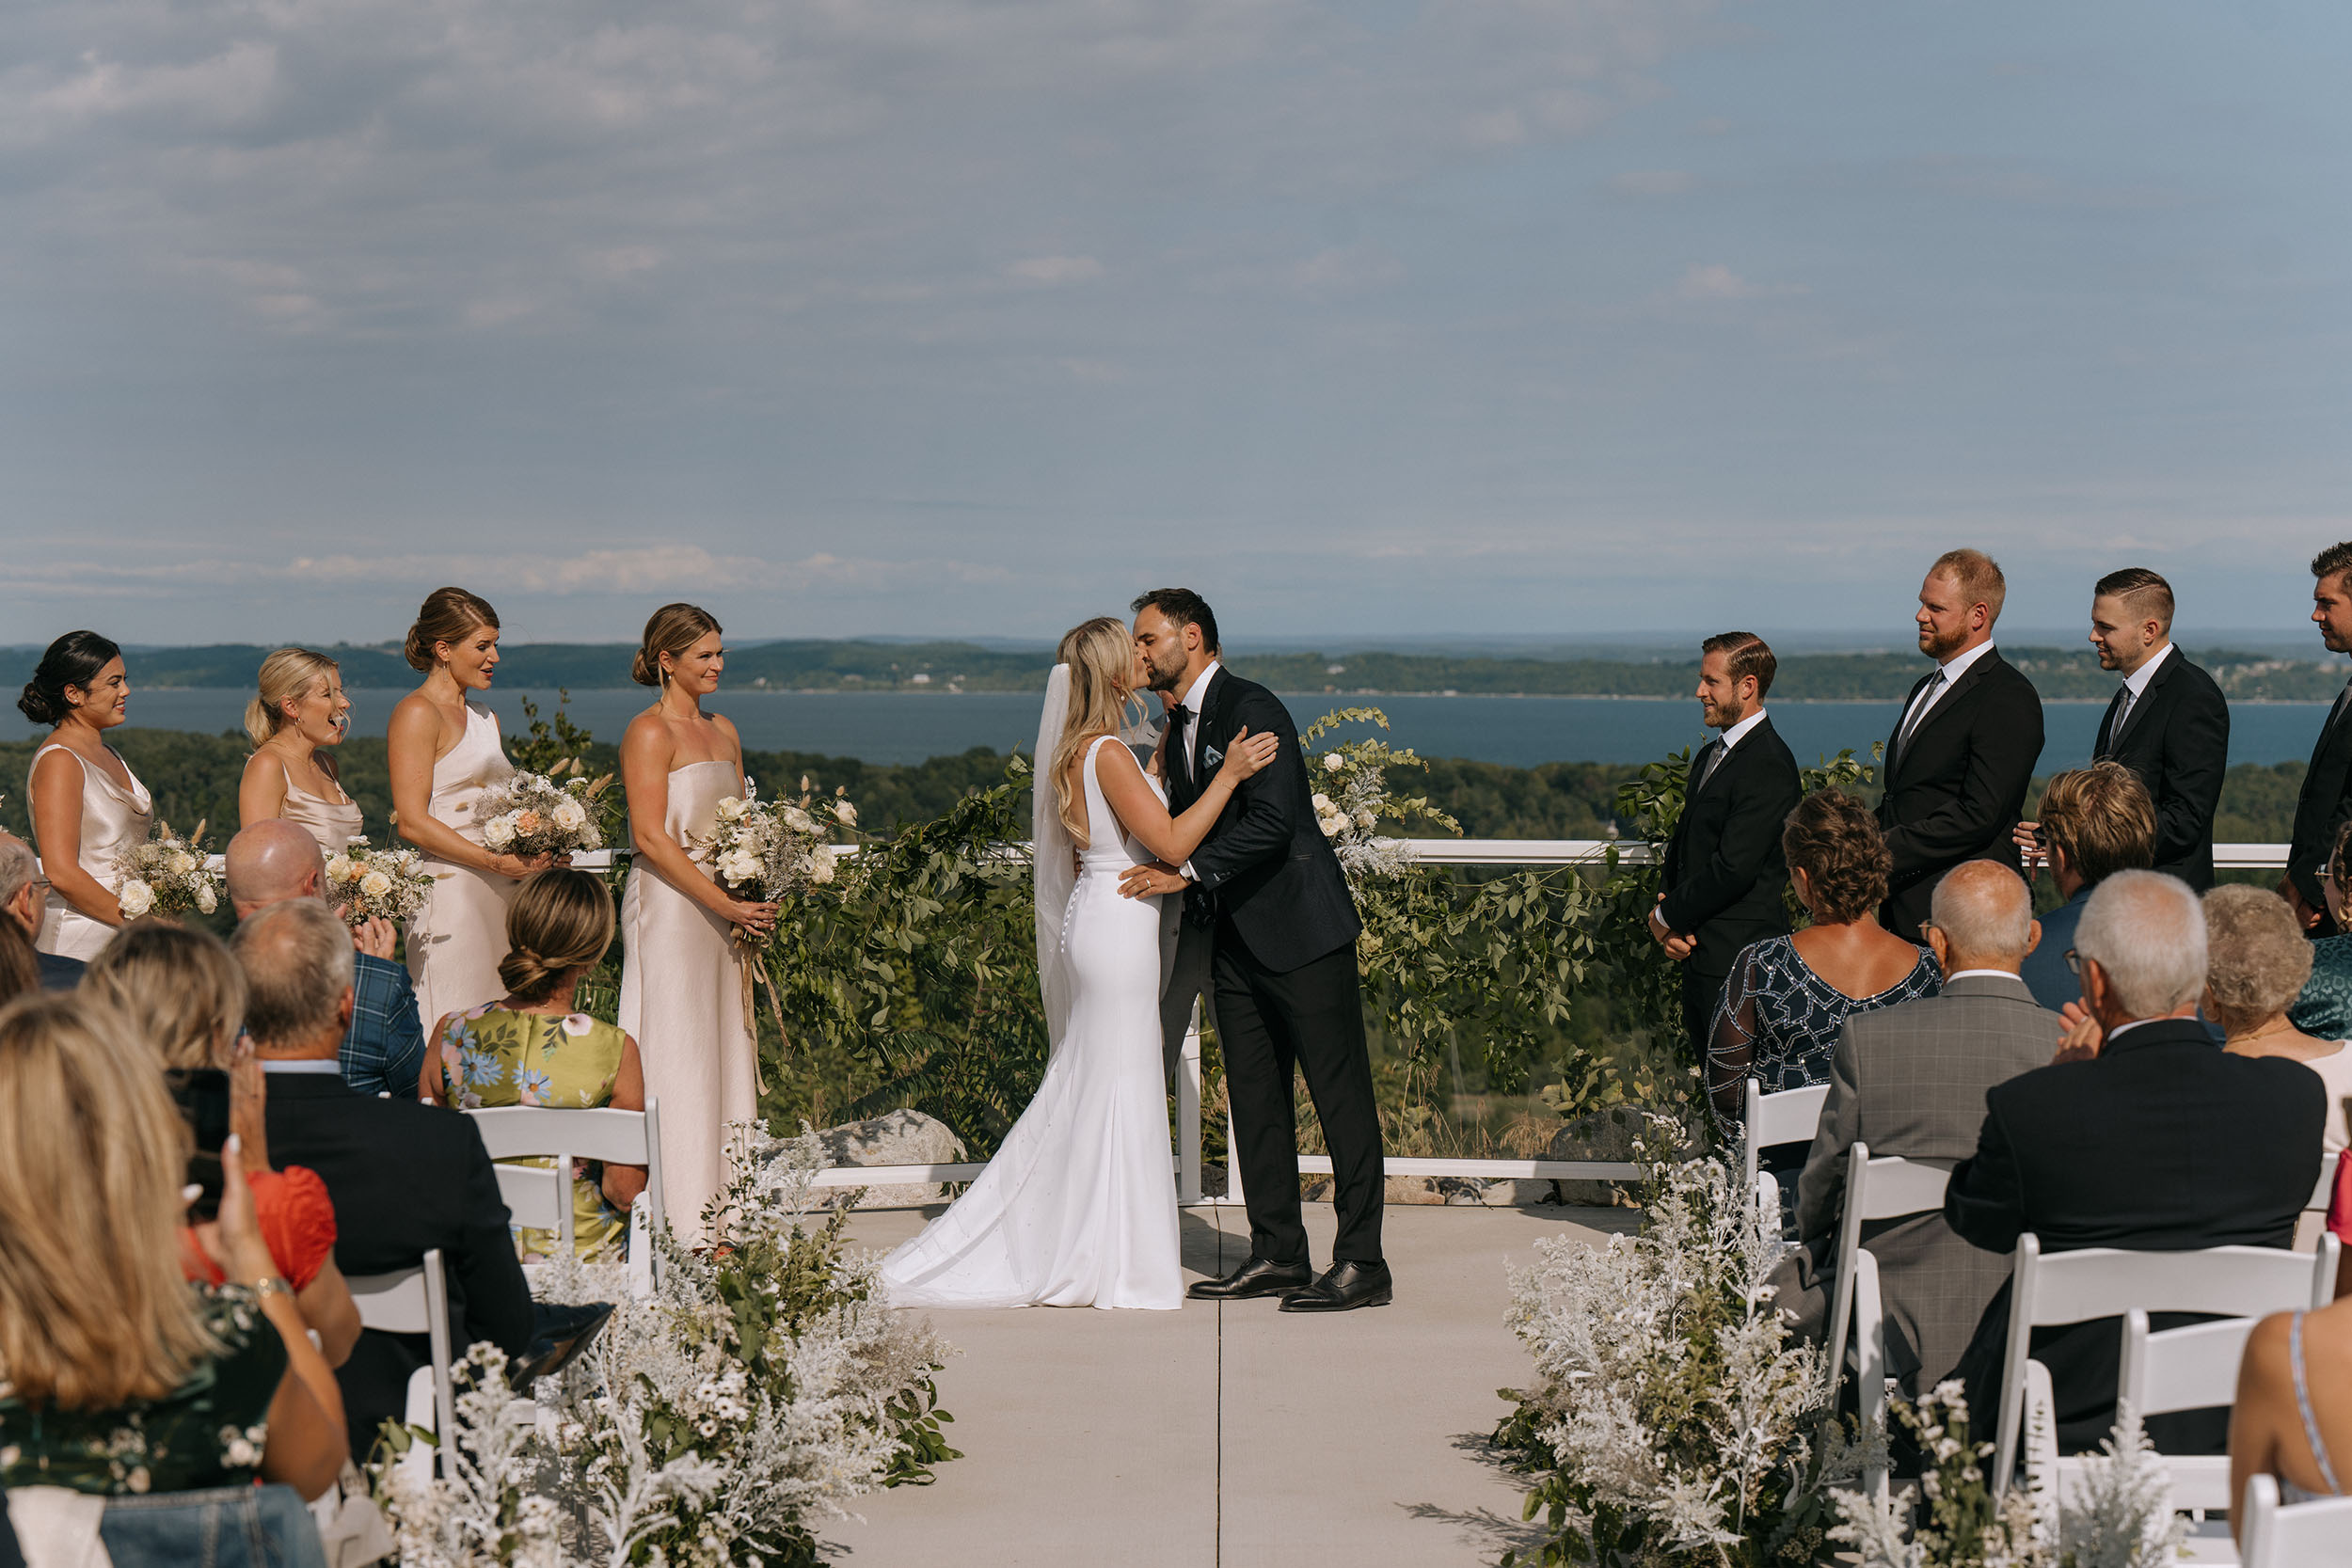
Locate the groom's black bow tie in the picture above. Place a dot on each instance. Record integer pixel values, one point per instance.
(1178, 753)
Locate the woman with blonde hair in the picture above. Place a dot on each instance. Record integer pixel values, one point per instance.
(532, 1047)
(124, 1381)
(299, 712)
(184, 995)
(444, 749)
(1079, 1207)
(682, 966)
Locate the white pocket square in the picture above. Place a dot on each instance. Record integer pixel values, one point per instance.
(1211, 756)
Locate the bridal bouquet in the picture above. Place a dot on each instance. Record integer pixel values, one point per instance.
(365, 884)
(166, 875)
(529, 813)
(760, 851)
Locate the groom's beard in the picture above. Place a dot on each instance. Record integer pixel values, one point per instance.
(1165, 681)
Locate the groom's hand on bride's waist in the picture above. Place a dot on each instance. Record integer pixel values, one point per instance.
(1151, 879)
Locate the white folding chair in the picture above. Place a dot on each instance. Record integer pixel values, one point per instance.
(1789, 1116)
(1883, 1189)
(2294, 1535)
(541, 1198)
(416, 1301)
(2106, 1282)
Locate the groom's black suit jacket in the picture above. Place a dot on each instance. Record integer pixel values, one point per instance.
(1266, 865)
(2177, 740)
(1955, 788)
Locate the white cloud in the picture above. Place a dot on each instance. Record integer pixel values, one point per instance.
(1055, 269)
(1714, 280)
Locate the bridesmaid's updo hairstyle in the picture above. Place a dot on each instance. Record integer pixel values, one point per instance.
(1833, 838)
(673, 629)
(446, 616)
(286, 674)
(74, 660)
(560, 920)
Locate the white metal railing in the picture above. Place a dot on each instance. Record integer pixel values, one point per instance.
(1429, 852)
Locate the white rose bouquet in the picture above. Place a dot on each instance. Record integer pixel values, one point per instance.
(365, 883)
(166, 876)
(760, 851)
(529, 813)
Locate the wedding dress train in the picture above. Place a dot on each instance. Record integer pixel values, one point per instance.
(1079, 1207)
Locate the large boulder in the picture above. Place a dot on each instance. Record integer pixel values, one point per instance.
(900, 1138)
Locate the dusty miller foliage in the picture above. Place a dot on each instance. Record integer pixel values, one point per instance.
(2119, 1514)
(759, 1390)
(1674, 1419)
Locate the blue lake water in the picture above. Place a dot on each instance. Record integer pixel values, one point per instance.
(898, 727)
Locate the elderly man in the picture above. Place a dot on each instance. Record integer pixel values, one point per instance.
(24, 894)
(1910, 1080)
(404, 1177)
(2144, 1135)
(383, 1052)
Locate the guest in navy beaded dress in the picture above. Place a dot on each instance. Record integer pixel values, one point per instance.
(1788, 996)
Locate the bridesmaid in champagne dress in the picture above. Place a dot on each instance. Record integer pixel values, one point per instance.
(682, 978)
(87, 807)
(299, 712)
(443, 752)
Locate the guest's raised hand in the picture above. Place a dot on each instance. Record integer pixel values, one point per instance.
(233, 1240)
(248, 1103)
(2082, 1037)
(2027, 837)
(1248, 753)
(375, 936)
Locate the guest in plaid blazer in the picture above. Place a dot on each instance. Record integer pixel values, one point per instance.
(1910, 1080)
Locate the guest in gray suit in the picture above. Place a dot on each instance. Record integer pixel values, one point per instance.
(1910, 1080)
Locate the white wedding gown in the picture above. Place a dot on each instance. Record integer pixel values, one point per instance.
(1079, 1207)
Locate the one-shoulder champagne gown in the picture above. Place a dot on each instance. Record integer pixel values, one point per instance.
(682, 999)
(114, 820)
(455, 942)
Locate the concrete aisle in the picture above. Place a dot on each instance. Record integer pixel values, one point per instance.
(1234, 1437)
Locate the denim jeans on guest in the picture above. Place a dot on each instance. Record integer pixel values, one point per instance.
(227, 1527)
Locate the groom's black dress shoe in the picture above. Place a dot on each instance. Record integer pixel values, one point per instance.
(1257, 1277)
(1344, 1288)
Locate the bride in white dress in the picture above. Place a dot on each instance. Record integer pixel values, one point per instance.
(1079, 1207)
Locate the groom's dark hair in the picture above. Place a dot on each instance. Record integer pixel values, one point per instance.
(1184, 606)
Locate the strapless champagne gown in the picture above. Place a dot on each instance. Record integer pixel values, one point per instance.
(457, 939)
(333, 823)
(682, 998)
(112, 819)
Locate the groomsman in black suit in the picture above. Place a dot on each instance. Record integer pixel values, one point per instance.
(1723, 868)
(2327, 799)
(1962, 755)
(2170, 723)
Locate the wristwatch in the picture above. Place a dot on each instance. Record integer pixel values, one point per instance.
(273, 1286)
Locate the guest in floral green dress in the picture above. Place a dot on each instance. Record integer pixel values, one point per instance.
(2324, 1008)
(123, 1380)
(531, 1047)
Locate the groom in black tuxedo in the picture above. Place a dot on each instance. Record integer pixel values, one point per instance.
(1268, 885)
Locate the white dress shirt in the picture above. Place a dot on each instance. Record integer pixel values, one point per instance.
(1952, 669)
(2134, 687)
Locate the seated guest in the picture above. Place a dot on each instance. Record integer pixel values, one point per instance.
(1788, 996)
(2151, 1139)
(18, 970)
(532, 1049)
(122, 1378)
(2292, 1418)
(276, 860)
(2096, 821)
(406, 1178)
(2324, 1008)
(181, 994)
(1909, 1081)
(25, 898)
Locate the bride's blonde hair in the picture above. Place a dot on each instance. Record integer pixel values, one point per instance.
(1101, 658)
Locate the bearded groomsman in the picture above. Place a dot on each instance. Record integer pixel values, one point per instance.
(1723, 868)
(2169, 724)
(2327, 798)
(1962, 755)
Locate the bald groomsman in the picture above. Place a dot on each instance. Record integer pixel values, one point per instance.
(2168, 723)
(1962, 755)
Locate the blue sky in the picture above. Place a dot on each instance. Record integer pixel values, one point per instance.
(1484, 316)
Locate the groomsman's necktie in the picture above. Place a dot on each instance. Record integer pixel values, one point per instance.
(1920, 709)
(2120, 715)
(2335, 714)
(1708, 759)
